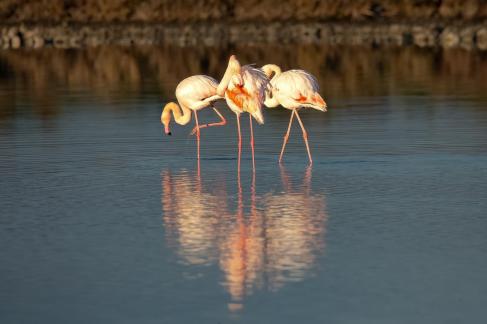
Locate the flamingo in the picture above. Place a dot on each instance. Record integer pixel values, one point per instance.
(244, 88)
(293, 89)
(193, 93)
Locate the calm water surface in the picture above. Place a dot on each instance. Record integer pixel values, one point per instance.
(105, 220)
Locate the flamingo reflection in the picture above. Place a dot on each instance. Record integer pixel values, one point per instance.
(264, 242)
(295, 223)
(189, 216)
(242, 252)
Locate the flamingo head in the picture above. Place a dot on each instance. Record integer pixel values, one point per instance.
(236, 81)
(166, 116)
(320, 103)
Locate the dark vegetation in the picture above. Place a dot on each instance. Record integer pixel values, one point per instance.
(184, 11)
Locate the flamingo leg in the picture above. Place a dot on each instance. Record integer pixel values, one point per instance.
(222, 122)
(305, 136)
(252, 141)
(286, 137)
(197, 133)
(239, 143)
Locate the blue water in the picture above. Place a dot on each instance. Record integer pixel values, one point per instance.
(106, 220)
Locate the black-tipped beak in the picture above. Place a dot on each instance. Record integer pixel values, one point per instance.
(169, 133)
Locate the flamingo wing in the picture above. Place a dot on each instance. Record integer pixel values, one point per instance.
(197, 91)
(298, 88)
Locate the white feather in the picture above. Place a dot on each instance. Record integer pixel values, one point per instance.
(288, 87)
(255, 83)
(197, 92)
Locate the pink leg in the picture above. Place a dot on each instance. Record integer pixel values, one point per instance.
(252, 141)
(305, 136)
(197, 133)
(286, 137)
(222, 122)
(239, 143)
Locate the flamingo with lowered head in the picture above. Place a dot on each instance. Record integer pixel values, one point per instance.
(244, 88)
(293, 89)
(193, 93)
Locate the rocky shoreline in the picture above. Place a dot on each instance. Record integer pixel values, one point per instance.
(469, 36)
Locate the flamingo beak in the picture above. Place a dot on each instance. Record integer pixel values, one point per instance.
(166, 129)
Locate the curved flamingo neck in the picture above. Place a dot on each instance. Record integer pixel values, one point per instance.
(181, 114)
(271, 71)
(232, 69)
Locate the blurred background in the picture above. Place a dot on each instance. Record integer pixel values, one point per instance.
(236, 11)
(355, 48)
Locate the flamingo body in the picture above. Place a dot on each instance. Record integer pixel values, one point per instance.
(246, 92)
(295, 89)
(197, 92)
